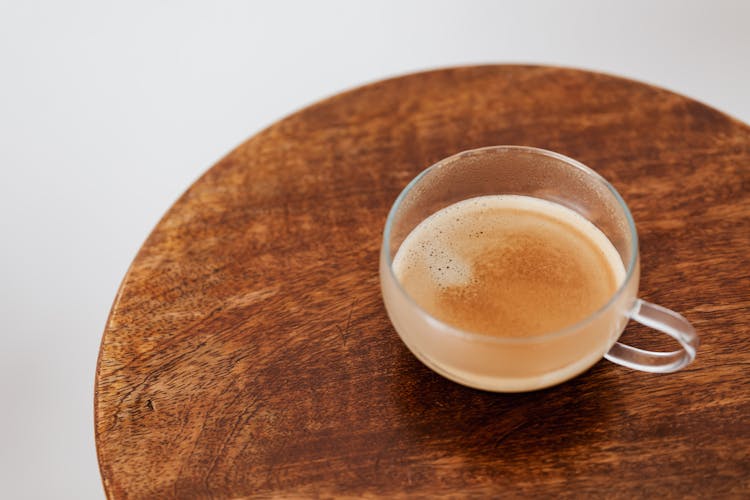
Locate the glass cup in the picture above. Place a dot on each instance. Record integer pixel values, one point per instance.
(518, 364)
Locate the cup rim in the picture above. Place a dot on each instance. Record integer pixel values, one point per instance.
(385, 253)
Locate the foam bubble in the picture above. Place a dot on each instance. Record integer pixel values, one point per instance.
(449, 269)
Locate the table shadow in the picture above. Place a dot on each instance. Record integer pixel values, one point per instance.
(474, 426)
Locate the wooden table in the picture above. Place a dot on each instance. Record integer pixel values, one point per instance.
(248, 352)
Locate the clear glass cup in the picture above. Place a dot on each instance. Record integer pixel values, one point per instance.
(523, 364)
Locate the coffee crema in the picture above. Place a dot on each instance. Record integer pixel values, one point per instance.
(508, 266)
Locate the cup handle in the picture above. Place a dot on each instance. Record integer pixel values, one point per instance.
(666, 321)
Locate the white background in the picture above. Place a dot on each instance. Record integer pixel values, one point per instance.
(109, 111)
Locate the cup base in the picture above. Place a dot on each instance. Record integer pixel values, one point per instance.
(493, 383)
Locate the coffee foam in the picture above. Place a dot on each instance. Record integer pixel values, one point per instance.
(446, 266)
(445, 246)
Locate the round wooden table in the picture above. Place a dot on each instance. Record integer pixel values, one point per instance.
(248, 351)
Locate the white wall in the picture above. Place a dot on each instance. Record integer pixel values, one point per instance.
(109, 110)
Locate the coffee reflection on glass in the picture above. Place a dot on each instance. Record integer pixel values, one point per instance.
(512, 268)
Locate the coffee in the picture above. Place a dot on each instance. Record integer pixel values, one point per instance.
(508, 266)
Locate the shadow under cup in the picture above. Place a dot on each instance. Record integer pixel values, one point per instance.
(525, 363)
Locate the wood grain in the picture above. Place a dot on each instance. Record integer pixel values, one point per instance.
(248, 352)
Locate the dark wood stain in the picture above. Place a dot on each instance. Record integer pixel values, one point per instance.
(248, 352)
